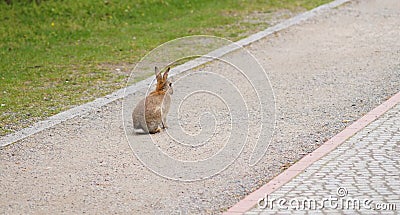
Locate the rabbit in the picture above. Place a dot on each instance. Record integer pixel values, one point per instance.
(151, 112)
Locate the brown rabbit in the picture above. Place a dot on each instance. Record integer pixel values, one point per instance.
(151, 112)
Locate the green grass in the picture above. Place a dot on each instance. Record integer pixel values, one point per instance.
(64, 53)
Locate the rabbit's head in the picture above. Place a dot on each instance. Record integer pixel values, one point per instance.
(163, 84)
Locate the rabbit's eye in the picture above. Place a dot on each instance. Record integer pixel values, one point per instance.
(170, 84)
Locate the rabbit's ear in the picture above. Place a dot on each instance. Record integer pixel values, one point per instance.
(166, 73)
(157, 73)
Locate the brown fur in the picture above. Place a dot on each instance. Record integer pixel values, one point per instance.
(151, 112)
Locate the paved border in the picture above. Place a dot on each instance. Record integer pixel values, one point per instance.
(85, 108)
(250, 201)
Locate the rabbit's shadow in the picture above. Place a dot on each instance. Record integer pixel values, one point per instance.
(140, 133)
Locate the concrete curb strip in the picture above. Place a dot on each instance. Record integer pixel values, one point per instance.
(85, 108)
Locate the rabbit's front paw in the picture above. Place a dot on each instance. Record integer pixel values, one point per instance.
(164, 125)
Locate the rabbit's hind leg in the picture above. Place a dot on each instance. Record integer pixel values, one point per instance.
(155, 131)
(153, 128)
(136, 125)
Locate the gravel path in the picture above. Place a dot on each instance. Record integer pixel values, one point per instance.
(325, 73)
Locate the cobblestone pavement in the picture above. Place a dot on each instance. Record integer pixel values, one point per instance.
(359, 177)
